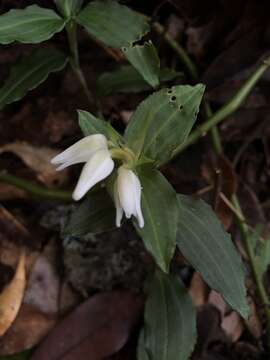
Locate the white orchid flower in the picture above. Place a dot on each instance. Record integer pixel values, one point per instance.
(127, 196)
(94, 151)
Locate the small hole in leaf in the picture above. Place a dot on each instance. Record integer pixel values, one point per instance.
(173, 98)
(169, 91)
(124, 49)
(181, 107)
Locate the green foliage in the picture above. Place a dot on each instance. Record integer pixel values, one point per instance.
(163, 121)
(33, 24)
(127, 79)
(169, 331)
(261, 250)
(91, 125)
(96, 214)
(145, 59)
(159, 231)
(29, 73)
(114, 24)
(204, 243)
(69, 8)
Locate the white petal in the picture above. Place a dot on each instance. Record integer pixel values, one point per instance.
(119, 210)
(96, 169)
(81, 151)
(138, 191)
(125, 189)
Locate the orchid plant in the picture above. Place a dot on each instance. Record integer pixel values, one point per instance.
(127, 166)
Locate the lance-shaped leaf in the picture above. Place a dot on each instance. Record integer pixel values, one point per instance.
(159, 207)
(95, 215)
(114, 24)
(169, 332)
(127, 79)
(145, 59)
(163, 121)
(29, 73)
(204, 243)
(68, 8)
(33, 24)
(90, 125)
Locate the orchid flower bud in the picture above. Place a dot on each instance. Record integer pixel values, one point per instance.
(94, 151)
(127, 196)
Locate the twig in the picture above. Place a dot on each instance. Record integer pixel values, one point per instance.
(189, 65)
(35, 190)
(230, 107)
(71, 29)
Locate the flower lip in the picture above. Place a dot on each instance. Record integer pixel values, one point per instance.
(81, 151)
(129, 193)
(97, 168)
(93, 150)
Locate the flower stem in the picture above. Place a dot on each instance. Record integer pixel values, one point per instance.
(35, 190)
(230, 107)
(71, 29)
(124, 154)
(189, 65)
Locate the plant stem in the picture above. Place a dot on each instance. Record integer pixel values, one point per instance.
(189, 65)
(71, 29)
(35, 190)
(243, 227)
(231, 106)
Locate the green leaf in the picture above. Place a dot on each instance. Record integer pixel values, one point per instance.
(204, 243)
(141, 349)
(261, 249)
(68, 8)
(96, 214)
(163, 121)
(33, 24)
(170, 321)
(114, 24)
(145, 60)
(89, 125)
(128, 80)
(159, 207)
(29, 73)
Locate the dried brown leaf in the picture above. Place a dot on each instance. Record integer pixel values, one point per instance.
(198, 290)
(217, 300)
(28, 329)
(37, 159)
(233, 326)
(96, 329)
(11, 297)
